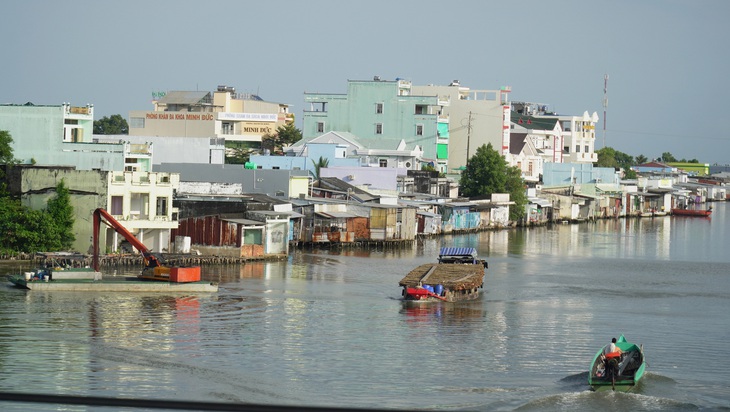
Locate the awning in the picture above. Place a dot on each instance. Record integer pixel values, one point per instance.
(540, 202)
(277, 215)
(245, 222)
(587, 196)
(336, 215)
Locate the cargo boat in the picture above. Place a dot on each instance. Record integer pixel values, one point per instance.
(458, 275)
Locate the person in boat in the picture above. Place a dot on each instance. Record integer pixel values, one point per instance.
(611, 357)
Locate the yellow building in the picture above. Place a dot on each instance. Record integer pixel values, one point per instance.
(224, 113)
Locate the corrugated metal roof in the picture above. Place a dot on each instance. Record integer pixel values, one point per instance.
(335, 215)
(540, 202)
(181, 97)
(277, 214)
(458, 251)
(246, 222)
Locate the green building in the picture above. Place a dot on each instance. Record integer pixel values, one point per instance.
(58, 135)
(383, 114)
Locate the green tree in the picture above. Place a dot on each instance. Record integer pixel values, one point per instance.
(318, 165)
(239, 152)
(284, 136)
(115, 124)
(609, 157)
(668, 158)
(430, 168)
(487, 172)
(641, 159)
(6, 148)
(62, 215)
(26, 230)
(7, 158)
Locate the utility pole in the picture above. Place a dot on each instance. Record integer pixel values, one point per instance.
(468, 138)
(605, 105)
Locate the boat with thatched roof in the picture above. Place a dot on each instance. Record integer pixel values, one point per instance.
(458, 275)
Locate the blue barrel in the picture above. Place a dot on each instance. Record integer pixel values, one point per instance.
(428, 288)
(438, 289)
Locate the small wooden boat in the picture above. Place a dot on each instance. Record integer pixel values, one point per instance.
(630, 368)
(692, 212)
(457, 276)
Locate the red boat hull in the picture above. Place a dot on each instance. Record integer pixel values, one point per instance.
(692, 212)
(420, 294)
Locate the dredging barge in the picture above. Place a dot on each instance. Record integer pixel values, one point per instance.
(156, 276)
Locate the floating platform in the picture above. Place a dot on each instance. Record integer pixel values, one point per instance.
(115, 284)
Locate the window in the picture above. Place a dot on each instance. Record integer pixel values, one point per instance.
(383, 163)
(378, 128)
(136, 122)
(419, 130)
(379, 108)
(320, 127)
(161, 206)
(421, 109)
(117, 202)
(577, 148)
(252, 237)
(586, 149)
(227, 128)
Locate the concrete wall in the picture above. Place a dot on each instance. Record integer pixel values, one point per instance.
(176, 149)
(88, 190)
(560, 174)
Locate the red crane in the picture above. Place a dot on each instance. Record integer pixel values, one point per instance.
(154, 266)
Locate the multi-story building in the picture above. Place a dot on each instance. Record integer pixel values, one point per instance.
(223, 113)
(577, 133)
(385, 112)
(58, 135)
(473, 118)
(140, 201)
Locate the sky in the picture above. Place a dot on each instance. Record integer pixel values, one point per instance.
(667, 60)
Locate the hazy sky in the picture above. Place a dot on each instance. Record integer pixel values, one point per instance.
(667, 60)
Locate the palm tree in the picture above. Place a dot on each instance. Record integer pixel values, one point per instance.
(322, 162)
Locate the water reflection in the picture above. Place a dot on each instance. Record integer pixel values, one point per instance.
(442, 312)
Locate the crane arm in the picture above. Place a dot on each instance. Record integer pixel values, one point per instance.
(101, 215)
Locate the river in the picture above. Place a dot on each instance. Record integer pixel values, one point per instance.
(328, 328)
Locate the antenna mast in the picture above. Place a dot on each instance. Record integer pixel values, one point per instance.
(605, 106)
